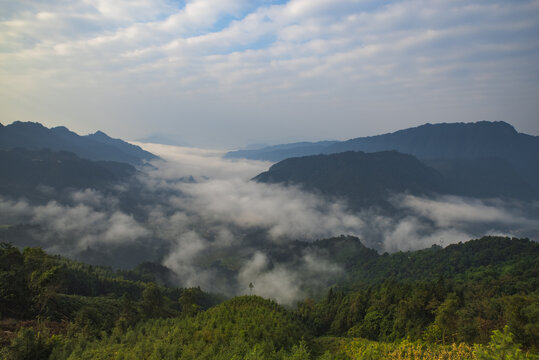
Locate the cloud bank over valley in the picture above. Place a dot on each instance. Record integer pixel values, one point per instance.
(201, 216)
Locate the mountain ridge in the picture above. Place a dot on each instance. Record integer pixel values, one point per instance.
(357, 176)
(27, 172)
(368, 178)
(481, 139)
(96, 147)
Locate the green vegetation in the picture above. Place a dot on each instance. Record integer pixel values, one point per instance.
(50, 294)
(477, 300)
(457, 294)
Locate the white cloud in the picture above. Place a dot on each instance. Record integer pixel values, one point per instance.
(449, 211)
(285, 283)
(216, 232)
(236, 65)
(286, 212)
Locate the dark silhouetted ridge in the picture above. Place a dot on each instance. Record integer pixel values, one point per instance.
(357, 176)
(98, 146)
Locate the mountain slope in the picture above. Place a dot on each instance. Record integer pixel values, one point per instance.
(98, 146)
(359, 177)
(433, 141)
(24, 170)
(367, 178)
(486, 177)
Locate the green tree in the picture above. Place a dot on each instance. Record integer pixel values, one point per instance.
(152, 301)
(189, 301)
(28, 346)
(446, 316)
(501, 346)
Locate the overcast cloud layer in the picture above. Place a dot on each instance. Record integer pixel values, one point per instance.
(195, 210)
(223, 73)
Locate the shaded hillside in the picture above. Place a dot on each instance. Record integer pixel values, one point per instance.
(432, 141)
(368, 178)
(359, 177)
(484, 178)
(98, 146)
(24, 171)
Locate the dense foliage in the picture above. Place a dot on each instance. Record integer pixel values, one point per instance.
(242, 326)
(460, 293)
(35, 285)
(477, 300)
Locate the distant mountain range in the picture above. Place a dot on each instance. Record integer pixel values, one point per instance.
(280, 152)
(431, 142)
(483, 160)
(97, 146)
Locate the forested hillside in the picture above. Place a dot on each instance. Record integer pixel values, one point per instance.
(35, 174)
(365, 179)
(433, 303)
(361, 178)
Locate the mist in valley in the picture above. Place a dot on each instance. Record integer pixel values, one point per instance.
(202, 216)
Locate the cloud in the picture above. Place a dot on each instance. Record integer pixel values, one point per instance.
(92, 198)
(73, 228)
(185, 162)
(181, 259)
(254, 71)
(285, 283)
(285, 212)
(224, 194)
(83, 226)
(448, 211)
(12, 211)
(201, 216)
(277, 283)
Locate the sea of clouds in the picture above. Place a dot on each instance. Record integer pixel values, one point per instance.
(213, 226)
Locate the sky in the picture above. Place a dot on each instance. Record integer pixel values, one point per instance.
(227, 73)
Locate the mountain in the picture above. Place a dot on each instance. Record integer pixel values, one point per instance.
(98, 146)
(487, 177)
(431, 141)
(280, 152)
(433, 303)
(25, 171)
(362, 178)
(367, 178)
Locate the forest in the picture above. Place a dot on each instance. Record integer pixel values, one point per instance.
(473, 300)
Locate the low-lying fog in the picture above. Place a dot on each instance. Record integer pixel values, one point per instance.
(201, 216)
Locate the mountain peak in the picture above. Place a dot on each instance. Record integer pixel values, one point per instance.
(29, 124)
(427, 141)
(483, 126)
(61, 129)
(100, 134)
(98, 146)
